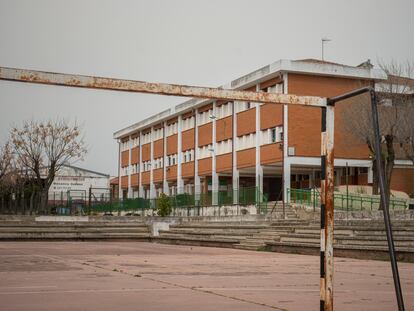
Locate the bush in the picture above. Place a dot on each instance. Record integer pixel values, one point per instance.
(164, 205)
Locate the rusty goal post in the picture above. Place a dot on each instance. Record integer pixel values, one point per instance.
(327, 106)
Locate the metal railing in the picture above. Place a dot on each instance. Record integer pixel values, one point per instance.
(351, 202)
(242, 197)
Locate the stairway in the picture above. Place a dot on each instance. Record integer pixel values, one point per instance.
(272, 233)
(358, 239)
(218, 234)
(276, 210)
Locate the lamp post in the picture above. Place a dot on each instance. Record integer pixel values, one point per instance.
(323, 40)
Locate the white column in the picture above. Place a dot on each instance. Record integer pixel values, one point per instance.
(166, 190)
(129, 167)
(197, 186)
(152, 186)
(120, 193)
(141, 188)
(259, 168)
(235, 174)
(370, 174)
(180, 182)
(214, 175)
(286, 162)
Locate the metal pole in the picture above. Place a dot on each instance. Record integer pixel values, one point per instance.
(382, 184)
(385, 202)
(347, 190)
(283, 167)
(322, 48)
(327, 208)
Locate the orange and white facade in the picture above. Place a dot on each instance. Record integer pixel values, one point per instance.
(205, 146)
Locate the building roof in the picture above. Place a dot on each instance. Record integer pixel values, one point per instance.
(303, 66)
(81, 169)
(320, 61)
(114, 181)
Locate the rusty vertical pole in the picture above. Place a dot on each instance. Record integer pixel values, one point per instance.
(385, 203)
(327, 208)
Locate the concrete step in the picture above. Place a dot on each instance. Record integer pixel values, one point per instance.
(339, 246)
(70, 236)
(408, 244)
(219, 226)
(72, 229)
(76, 225)
(318, 231)
(247, 247)
(201, 237)
(350, 251)
(227, 243)
(215, 230)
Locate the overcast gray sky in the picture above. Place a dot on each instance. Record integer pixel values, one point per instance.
(205, 43)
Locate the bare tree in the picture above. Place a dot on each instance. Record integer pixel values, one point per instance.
(5, 159)
(395, 118)
(43, 147)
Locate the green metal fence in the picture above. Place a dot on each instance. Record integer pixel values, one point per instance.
(243, 197)
(352, 202)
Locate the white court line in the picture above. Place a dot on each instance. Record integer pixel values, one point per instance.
(78, 291)
(23, 287)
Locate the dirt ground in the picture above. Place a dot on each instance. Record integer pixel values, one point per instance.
(145, 276)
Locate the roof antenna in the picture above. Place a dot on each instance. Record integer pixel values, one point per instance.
(323, 40)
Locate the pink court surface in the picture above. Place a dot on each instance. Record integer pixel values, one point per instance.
(145, 276)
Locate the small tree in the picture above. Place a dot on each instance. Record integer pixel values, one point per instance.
(164, 205)
(43, 147)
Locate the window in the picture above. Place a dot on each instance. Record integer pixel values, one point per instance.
(248, 105)
(187, 155)
(172, 129)
(158, 163)
(146, 138)
(135, 141)
(363, 170)
(246, 141)
(188, 123)
(124, 171)
(124, 145)
(204, 117)
(273, 135)
(172, 159)
(224, 110)
(224, 146)
(205, 151)
(146, 166)
(277, 88)
(157, 134)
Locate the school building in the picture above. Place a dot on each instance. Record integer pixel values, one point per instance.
(210, 146)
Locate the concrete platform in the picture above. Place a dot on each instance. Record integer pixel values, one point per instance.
(146, 276)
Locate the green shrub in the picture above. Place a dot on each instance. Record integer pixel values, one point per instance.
(164, 205)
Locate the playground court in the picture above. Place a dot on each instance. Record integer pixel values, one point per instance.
(145, 276)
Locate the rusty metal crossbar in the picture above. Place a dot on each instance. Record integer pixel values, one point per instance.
(53, 78)
(327, 145)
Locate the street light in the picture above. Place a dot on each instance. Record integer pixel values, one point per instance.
(323, 40)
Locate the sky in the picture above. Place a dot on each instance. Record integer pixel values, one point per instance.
(204, 43)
